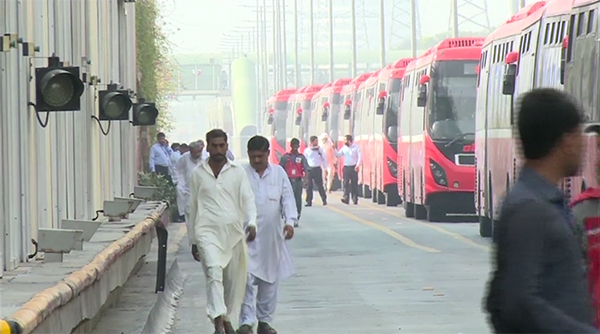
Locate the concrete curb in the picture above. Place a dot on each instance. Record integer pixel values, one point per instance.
(43, 304)
(162, 315)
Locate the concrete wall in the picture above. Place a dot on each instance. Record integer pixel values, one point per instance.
(68, 168)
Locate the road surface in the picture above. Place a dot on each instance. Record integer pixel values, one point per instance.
(365, 269)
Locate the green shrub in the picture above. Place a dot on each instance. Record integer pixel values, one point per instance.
(165, 191)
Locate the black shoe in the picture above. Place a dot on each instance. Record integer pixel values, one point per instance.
(356, 201)
(308, 204)
(345, 201)
(324, 202)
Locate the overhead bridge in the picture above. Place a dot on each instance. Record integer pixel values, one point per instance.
(204, 93)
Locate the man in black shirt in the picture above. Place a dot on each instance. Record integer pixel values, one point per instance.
(538, 284)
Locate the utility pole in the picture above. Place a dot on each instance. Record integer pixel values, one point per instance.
(454, 17)
(265, 51)
(312, 44)
(275, 46)
(382, 33)
(331, 66)
(259, 65)
(296, 60)
(354, 60)
(413, 28)
(285, 69)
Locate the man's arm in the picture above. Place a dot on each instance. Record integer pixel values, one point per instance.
(284, 160)
(521, 243)
(359, 153)
(339, 153)
(305, 163)
(288, 202)
(324, 157)
(178, 170)
(151, 161)
(248, 204)
(193, 208)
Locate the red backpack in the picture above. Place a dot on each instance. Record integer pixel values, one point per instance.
(294, 167)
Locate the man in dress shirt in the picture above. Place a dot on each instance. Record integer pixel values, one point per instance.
(221, 200)
(160, 153)
(269, 260)
(316, 158)
(185, 166)
(352, 160)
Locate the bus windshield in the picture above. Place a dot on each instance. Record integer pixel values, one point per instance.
(453, 99)
(395, 88)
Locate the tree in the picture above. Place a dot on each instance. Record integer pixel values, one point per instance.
(155, 68)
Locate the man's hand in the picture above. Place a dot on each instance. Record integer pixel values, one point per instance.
(195, 253)
(288, 232)
(251, 230)
(357, 168)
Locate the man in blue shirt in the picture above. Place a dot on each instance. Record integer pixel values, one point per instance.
(160, 153)
(538, 284)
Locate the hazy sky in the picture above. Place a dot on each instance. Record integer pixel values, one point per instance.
(198, 25)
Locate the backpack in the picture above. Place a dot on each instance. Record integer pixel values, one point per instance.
(294, 167)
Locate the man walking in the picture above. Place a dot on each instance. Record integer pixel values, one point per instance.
(329, 149)
(295, 165)
(352, 160)
(221, 200)
(538, 284)
(160, 161)
(316, 158)
(270, 261)
(185, 166)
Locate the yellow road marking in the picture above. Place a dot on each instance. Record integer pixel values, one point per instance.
(439, 229)
(385, 230)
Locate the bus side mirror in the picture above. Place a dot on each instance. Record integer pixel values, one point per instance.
(380, 106)
(298, 120)
(270, 120)
(324, 114)
(563, 59)
(392, 132)
(509, 79)
(347, 112)
(422, 97)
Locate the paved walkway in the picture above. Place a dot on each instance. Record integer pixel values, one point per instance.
(365, 269)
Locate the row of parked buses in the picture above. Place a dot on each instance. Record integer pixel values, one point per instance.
(436, 132)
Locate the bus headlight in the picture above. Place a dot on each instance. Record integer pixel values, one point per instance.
(392, 167)
(439, 174)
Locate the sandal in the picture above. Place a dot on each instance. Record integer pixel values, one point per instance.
(265, 328)
(245, 329)
(228, 327)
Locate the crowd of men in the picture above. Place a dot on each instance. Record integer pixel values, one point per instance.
(243, 252)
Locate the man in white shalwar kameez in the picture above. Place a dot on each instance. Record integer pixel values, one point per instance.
(185, 166)
(269, 257)
(221, 200)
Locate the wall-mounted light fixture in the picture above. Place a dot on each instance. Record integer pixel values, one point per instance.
(58, 88)
(144, 113)
(114, 105)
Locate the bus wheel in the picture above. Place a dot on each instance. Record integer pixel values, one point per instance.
(485, 227)
(380, 197)
(436, 214)
(391, 195)
(409, 209)
(420, 211)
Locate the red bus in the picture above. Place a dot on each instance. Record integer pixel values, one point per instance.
(437, 129)
(299, 105)
(347, 119)
(364, 131)
(385, 140)
(523, 53)
(317, 119)
(276, 123)
(581, 66)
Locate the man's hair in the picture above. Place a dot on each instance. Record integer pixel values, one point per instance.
(258, 143)
(349, 137)
(544, 116)
(175, 145)
(184, 145)
(160, 135)
(313, 138)
(215, 133)
(294, 141)
(195, 145)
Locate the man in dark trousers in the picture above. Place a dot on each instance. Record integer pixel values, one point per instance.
(316, 158)
(352, 160)
(538, 284)
(295, 165)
